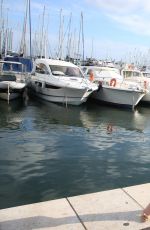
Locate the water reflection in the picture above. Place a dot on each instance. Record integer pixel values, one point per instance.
(48, 151)
(87, 115)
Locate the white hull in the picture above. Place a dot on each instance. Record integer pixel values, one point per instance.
(61, 95)
(11, 85)
(122, 97)
(12, 81)
(146, 98)
(59, 81)
(12, 96)
(141, 81)
(11, 90)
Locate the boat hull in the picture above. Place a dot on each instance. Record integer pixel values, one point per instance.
(143, 82)
(12, 96)
(146, 98)
(121, 97)
(11, 90)
(65, 95)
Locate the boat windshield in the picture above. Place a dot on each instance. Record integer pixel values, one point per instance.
(66, 71)
(131, 74)
(11, 66)
(145, 74)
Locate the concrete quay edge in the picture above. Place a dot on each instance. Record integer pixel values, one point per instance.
(117, 209)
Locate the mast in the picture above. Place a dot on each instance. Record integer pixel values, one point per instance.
(1, 9)
(1, 27)
(74, 44)
(23, 45)
(62, 39)
(92, 49)
(23, 39)
(30, 38)
(69, 36)
(60, 32)
(2, 44)
(41, 46)
(82, 36)
(78, 55)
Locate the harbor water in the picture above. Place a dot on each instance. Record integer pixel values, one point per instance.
(50, 151)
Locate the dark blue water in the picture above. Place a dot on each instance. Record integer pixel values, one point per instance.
(48, 151)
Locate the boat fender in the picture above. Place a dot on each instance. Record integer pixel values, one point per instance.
(145, 84)
(99, 85)
(113, 82)
(109, 128)
(91, 77)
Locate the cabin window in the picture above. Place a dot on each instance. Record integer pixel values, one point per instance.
(146, 75)
(51, 86)
(66, 71)
(89, 71)
(84, 69)
(38, 83)
(41, 68)
(12, 67)
(136, 74)
(131, 74)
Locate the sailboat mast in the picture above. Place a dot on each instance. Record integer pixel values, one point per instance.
(69, 37)
(1, 28)
(78, 55)
(30, 38)
(60, 32)
(42, 31)
(62, 39)
(92, 49)
(82, 35)
(23, 39)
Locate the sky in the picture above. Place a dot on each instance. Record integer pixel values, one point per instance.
(111, 29)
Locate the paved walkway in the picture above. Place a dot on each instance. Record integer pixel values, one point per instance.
(117, 209)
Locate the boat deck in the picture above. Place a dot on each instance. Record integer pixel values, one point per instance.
(116, 209)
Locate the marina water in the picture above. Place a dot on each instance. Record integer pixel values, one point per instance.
(50, 151)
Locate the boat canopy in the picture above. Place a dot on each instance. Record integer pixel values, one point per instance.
(26, 66)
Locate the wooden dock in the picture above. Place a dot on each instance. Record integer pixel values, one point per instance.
(117, 209)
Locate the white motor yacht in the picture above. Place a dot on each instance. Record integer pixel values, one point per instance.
(59, 81)
(130, 73)
(12, 83)
(112, 87)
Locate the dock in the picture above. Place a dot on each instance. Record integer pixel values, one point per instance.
(117, 209)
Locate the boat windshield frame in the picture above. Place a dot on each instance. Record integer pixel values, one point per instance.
(66, 71)
(146, 74)
(10, 66)
(130, 74)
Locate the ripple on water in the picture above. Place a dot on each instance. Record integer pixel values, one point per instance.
(49, 151)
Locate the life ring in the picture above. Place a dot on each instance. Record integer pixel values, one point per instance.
(113, 82)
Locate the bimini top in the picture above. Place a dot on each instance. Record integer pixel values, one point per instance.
(11, 66)
(10, 62)
(54, 62)
(26, 66)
